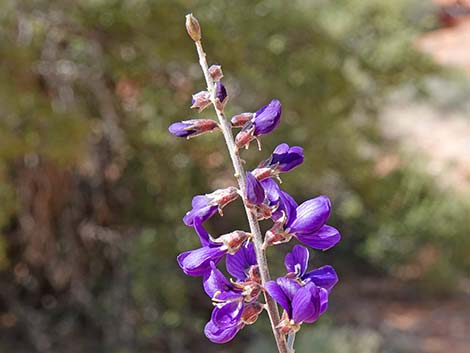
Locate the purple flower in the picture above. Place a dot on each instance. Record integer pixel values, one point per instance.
(220, 92)
(241, 264)
(296, 263)
(306, 222)
(254, 190)
(267, 118)
(233, 308)
(301, 303)
(197, 262)
(205, 206)
(192, 128)
(282, 160)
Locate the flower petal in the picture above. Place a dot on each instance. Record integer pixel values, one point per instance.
(297, 260)
(254, 190)
(197, 262)
(267, 118)
(220, 335)
(229, 314)
(214, 281)
(201, 232)
(310, 215)
(203, 213)
(239, 263)
(287, 158)
(306, 304)
(283, 291)
(323, 239)
(323, 300)
(181, 129)
(286, 204)
(324, 277)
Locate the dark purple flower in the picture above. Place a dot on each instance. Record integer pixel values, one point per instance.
(302, 303)
(197, 262)
(254, 190)
(240, 264)
(296, 263)
(192, 128)
(233, 308)
(306, 222)
(205, 206)
(282, 160)
(220, 92)
(267, 118)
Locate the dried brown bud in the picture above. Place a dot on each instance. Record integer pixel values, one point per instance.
(193, 27)
(216, 72)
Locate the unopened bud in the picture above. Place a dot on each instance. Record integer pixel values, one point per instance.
(216, 72)
(241, 119)
(251, 312)
(220, 95)
(193, 27)
(192, 128)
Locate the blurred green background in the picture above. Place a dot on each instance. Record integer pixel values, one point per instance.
(93, 187)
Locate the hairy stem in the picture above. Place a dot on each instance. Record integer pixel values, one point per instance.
(226, 128)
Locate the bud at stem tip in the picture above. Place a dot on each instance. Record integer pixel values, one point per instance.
(193, 28)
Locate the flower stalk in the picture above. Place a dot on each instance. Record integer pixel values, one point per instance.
(239, 174)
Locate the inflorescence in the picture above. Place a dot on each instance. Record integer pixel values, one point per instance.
(237, 301)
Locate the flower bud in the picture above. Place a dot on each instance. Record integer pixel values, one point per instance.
(193, 28)
(192, 128)
(233, 241)
(251, 312)
(201, 100)
(216, 72)
(220, 95)
(267, 118)
(241, 119)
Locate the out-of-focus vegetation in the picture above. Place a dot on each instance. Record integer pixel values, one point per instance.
(93, 188)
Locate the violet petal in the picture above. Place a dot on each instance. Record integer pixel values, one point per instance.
(254, 190)
(324, 277)
(197, 262)
(267, 118)
(323, 239)
(310, 215)
(297, 260)
(214, 281)
(239, 263)
(220, 335)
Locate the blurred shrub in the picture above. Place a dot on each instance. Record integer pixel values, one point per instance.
(90, 176)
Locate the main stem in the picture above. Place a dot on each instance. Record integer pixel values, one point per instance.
(226, 128)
